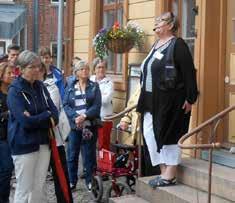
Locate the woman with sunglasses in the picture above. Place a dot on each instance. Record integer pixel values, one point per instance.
(168, 90)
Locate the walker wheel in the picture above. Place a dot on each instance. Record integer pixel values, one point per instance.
(116, 190)
(97, 188)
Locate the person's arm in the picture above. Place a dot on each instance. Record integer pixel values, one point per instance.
(15, 102)
(70, 112)
(94, 110)
(184, 61)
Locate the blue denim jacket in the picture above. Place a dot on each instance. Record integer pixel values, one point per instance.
(93, 101)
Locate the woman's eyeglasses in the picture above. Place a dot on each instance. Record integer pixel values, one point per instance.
(167, 20)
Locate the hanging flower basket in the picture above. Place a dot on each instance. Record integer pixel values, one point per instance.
(120, 45)
(118, 39)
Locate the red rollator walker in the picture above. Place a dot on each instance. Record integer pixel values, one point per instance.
(113, 165)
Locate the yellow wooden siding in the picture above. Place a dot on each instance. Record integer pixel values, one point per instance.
(144, 9)
(82, 6)
(81, 45)
(81, 32)
(81, 28)
(147, 24)
(82, 19)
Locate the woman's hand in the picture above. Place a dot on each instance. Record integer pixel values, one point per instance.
(187, 107)
(79, 121)
(124, 125)
(26, 113)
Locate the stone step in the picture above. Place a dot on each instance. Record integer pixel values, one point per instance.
(127, 199)
(173, 194)
(222, 157)
(194, 173)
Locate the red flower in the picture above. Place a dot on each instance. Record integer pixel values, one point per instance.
(116, 25)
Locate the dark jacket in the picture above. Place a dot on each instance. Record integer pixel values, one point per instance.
(59, 80)
(25, 134)
(3, 116)
(93, 101)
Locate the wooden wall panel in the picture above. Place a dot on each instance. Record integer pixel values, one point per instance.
(82, 19)
(81, 32)
(147, 24)
(82, 28)
(136, 10)
(81, 45)
(82, 6)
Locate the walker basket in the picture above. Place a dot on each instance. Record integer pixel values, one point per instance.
(106, 160)
(120, 45)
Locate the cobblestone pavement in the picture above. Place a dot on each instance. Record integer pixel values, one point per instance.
(80, 194)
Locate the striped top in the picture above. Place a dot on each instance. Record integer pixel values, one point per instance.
(80, 100)
(147, 64)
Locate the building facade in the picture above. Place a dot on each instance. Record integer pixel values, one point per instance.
(40, 26)
(208, 26)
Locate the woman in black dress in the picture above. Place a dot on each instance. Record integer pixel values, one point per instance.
(168, 90)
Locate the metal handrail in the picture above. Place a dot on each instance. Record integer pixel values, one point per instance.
(213, 122)
(118, 115)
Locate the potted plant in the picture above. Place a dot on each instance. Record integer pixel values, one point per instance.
(118, 39)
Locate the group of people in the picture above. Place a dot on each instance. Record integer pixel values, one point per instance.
(33, 95)
(31, 103)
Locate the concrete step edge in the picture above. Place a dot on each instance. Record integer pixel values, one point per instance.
(174, 194)
(194, 173)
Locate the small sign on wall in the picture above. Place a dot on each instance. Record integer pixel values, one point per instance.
(133, 79)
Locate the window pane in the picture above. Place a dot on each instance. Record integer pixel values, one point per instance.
(112, 1)
(188, 23)
(188, 18)
(109, 18)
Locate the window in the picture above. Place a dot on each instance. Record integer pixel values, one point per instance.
(7, 1)
(112, 12)
(56, 1)
(184, 10)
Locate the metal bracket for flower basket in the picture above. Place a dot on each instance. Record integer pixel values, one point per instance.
(120, 45)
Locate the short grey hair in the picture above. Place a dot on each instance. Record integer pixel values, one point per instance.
(170, 18)
(26, 58)
(79, 65)
(98, 60)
